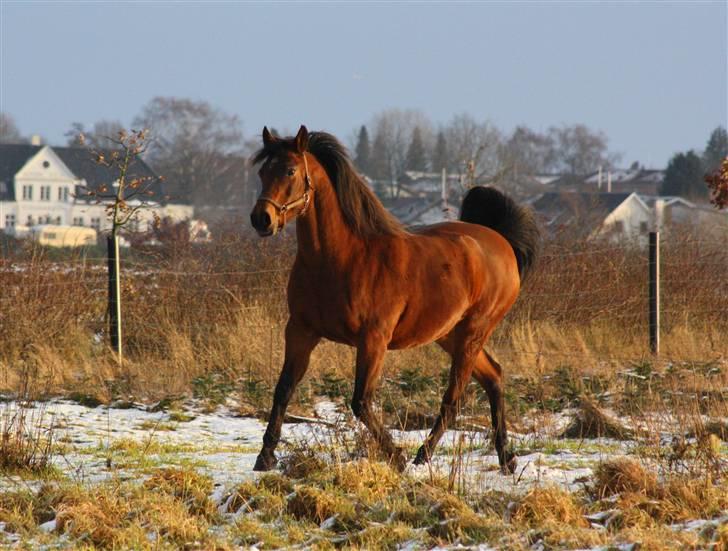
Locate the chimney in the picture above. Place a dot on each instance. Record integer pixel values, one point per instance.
(599, 182)
(609, 181)
(35, 139)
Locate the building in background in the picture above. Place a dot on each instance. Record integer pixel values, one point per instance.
(41, 184)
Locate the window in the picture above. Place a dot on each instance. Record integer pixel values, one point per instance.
(9, 220)
(58, 220)
(619, 226)
(96, 223)
(643, 227)
(65, 195)
(78, 221)
(50, 235)
(28, 193)
(45, 193)
(29, 221)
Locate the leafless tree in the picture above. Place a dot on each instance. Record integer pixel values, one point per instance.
(199, 148)
(530, 152)
(9, 132)
(104, 134)
(474, 147)
(580, 150)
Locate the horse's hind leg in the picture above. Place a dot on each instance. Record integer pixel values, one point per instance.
(463, 346)
(369, 363)
(488, 373)
(299, 345)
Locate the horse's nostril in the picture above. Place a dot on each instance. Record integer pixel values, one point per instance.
(253, 220)
(265, 219)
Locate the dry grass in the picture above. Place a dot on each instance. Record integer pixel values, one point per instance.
(208, 323)
(193, 312)
(26, 439)
(591, 422)
(547, 505)
(623, 475)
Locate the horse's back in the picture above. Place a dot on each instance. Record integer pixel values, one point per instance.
(497, 253)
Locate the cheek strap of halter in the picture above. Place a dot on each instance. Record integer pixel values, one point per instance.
(304, 199)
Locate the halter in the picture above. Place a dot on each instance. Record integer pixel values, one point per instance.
(285, 207)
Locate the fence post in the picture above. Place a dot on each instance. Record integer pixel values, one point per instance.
(654, 292)
(112, 244)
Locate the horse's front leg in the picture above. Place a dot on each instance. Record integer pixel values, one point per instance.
(300, 342)
(369, 363)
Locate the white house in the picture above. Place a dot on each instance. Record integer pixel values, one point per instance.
(40, 184)
(617, 216)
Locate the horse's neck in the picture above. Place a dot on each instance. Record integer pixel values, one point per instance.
(322, 233)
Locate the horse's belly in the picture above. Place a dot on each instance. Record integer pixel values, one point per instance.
(423, 329)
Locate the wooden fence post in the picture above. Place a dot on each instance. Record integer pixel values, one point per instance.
(112, 244)
(654, 292)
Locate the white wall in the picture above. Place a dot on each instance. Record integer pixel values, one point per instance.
(635, 220)
(43, 171)
(46, 170)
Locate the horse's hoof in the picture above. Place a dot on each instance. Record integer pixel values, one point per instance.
(264, 462)
(422, 456)
(508, 465)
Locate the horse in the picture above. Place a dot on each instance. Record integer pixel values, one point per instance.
(362, 279)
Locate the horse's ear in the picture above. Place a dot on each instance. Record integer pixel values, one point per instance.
(302, 139)
(268, 138)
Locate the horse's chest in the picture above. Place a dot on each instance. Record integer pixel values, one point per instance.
(327, 307)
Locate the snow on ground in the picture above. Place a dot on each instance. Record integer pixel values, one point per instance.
(224, 446)
(101, 443)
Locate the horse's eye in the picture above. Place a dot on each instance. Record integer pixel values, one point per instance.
(291, 171)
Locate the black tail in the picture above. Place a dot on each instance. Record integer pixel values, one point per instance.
(491, 208)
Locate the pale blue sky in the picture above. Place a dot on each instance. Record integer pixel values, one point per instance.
(652, 76)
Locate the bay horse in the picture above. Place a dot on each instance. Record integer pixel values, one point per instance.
(360, 278)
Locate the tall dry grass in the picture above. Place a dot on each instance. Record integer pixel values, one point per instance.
(196, 314)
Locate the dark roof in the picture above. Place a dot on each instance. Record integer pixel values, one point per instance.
(81, 163)
(569, 207)
(12, 158)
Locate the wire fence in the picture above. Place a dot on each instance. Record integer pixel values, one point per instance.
(206, 296)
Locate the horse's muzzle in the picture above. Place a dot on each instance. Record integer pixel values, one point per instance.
(263, 219)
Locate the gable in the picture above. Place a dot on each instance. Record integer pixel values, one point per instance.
(13, 157)
(45, 165)
(631, 207)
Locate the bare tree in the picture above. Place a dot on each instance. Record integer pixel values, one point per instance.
(9, 132)
(580, 150)
(104, 134)
(474, 147)
(530, 152)
(197, 147)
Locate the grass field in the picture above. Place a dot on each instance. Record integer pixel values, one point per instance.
(616, 446)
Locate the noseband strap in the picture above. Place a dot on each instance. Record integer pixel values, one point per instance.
(304, 199)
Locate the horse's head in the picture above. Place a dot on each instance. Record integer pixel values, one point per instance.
(286, 186)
